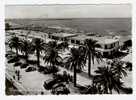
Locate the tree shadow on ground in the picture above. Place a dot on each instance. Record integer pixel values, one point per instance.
(116, 55)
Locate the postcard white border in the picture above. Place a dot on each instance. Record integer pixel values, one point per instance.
(2, 48)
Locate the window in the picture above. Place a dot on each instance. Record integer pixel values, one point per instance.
(72, 41)
(77, 42)
(105, 46)
(65, 39)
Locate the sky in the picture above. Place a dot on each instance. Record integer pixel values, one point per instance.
(68, 11)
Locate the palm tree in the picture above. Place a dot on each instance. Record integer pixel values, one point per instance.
(15, 43)
(52, 44)
(63, 45)
(75, 60)
(51, 54)
(38, 46)
(52, 57)
(91, 52)
(107, 80)
(118, 69)
(26, 48)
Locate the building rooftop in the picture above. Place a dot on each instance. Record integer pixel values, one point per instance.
(80, 37)
(63, 34)
(101, 39)
(104, 40)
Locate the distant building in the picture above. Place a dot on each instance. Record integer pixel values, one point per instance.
(108, 46)
(61, 36)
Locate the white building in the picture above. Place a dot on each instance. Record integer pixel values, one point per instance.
(108, 46)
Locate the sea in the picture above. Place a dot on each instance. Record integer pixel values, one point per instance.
(104, 26)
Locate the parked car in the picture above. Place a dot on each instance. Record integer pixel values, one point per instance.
(29, 69)
(48, 84)
(24, 65)
(60, 88)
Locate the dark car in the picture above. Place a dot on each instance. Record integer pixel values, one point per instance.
(60, 88)
(48, 84)
(29, 69)
(24, 65)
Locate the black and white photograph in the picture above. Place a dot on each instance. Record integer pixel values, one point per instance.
(68, 49)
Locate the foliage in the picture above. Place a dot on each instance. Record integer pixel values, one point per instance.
(17, 63)
(118, 69)
(26, 48)
(63, 45)
(51, 69)
(14, 59)
(51, 54)
(107, 80)
(15, 43)
(75, 61)
(65, 77)
(91, 53)
(38, 45)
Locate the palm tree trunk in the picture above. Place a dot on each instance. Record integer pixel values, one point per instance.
(75, 76)
(89, 64)
(26, 56)
(38, 58)
(16, 52)
(110, 91)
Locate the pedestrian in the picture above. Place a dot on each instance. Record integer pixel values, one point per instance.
(18, 74)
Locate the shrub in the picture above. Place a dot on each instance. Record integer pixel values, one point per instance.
(49, 70)
(41, 68)
(14, 59)
(57, 78)
(17, 63)
(33, 62)
(65, 77)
